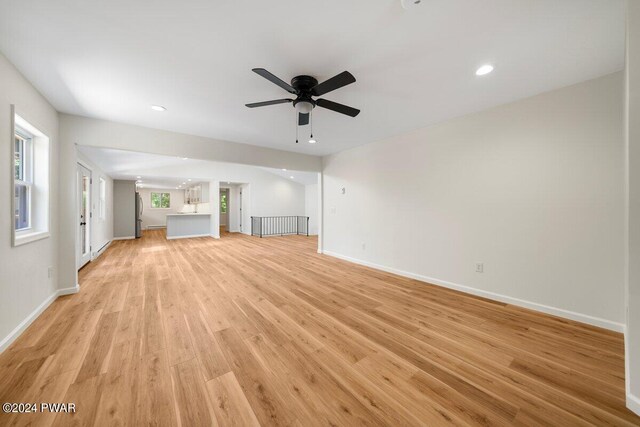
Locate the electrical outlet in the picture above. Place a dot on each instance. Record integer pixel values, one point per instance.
(479, 267)
(50, 272)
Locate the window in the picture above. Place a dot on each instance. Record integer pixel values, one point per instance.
(161, 200)
(23, 178)
(30, 201)
(103, 199)
(223, 203)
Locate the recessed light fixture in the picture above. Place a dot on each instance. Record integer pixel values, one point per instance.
(485, 69)
(284, 169)
(138, 177)
(291, 177)
(189, 179)
(184, 183)
(184, 158)
(158, 108)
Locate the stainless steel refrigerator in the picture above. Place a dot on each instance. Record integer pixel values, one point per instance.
(139, 210)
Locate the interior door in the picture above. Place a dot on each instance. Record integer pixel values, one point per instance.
(84, 216)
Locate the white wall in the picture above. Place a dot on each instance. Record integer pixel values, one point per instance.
(151, 216)
(311, 207)
(102, 133)
(532, 189)
(25, 284)
(124, 209)
(101, 229)
(632, 124)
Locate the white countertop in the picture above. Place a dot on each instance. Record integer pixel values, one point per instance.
(188, 214)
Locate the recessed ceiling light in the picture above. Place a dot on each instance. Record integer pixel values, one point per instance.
(184, 158)
(189, 180)
(485, 69)
(184, 183)
(284, 169)
(158, 108)
(291, 177)
(138, 177)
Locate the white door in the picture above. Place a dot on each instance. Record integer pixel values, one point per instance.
(84, 216)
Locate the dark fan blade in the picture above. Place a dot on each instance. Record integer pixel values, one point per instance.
(344, 109)
(265, 103)
(273, 79)
(336, 82)
(303, 119)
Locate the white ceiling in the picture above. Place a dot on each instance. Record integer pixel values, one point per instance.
(120, 164)
(113, 59)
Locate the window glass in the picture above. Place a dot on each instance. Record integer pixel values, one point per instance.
(19, 158)
(161, 200)
(223, 203)
(22, 206)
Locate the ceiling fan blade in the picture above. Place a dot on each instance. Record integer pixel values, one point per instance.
(265, 103)
(273, 79)
(335, 82)
(344, 109)
(303, 119)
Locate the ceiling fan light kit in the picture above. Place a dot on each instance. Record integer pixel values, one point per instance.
(305, 88)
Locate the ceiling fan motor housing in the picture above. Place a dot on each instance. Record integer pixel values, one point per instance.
(410, 4)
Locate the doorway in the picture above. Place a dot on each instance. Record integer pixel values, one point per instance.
(224, 210)
(83, 255)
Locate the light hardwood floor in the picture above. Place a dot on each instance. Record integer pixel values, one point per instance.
(247, 331)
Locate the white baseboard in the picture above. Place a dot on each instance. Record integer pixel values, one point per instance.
(124, 238)
(571, 315)
(189, 236)
(633, 403)
(100, 251)
(68, 291)
(6, 341)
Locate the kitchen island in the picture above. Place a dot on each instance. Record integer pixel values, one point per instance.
(184, 225)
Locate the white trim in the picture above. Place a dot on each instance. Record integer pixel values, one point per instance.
(633, 403)
(125, 238)
(18, 330)
(191, 236)
(69, 291)
(579, 317)
(22, 239)
(100, 251)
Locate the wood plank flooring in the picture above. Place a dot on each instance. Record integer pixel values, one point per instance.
(244, 331)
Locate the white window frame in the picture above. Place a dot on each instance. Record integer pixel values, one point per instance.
(151, 193)
(37, 179)
(27, 172)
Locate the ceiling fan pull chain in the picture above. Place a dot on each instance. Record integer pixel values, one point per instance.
(311, 122)
(296, 128)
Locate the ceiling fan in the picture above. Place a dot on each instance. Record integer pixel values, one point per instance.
(305, 88)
